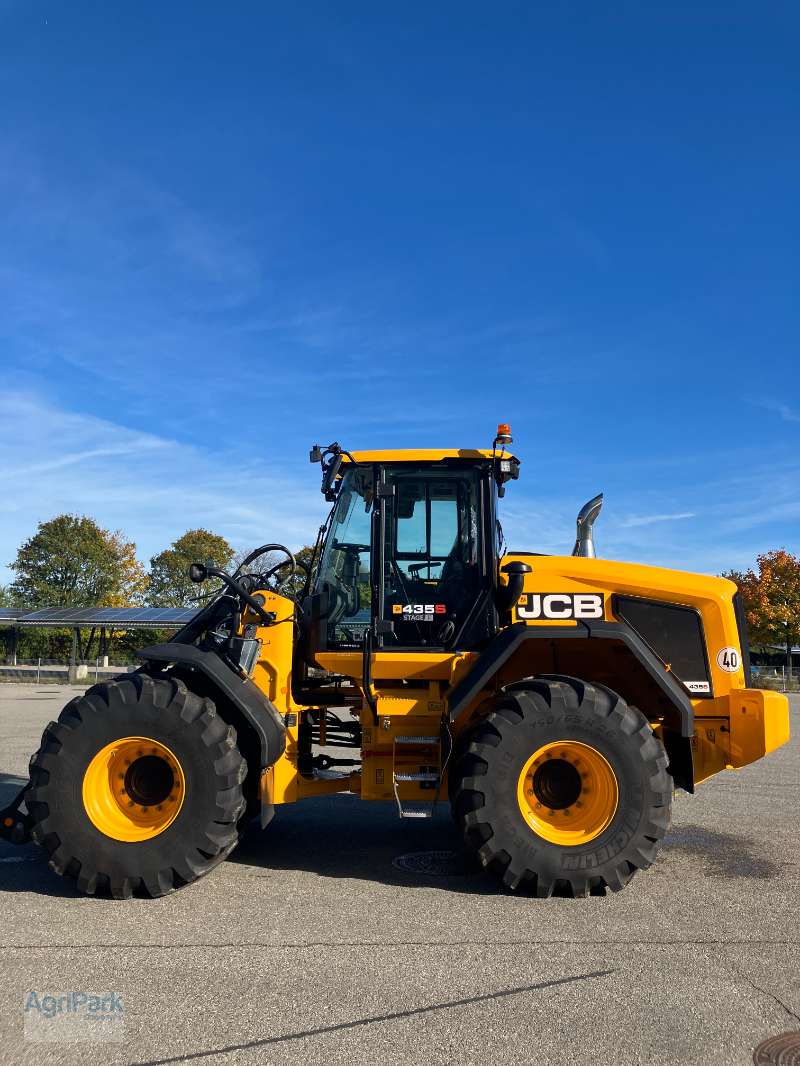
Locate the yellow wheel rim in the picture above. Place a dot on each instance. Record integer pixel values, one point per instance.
(567, 793)
(133, 789)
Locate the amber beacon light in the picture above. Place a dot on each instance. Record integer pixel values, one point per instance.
(504, 435)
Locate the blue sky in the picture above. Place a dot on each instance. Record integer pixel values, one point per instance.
(231, 231)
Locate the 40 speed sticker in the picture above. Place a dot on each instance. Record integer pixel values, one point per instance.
(729, 660)
(559, 605)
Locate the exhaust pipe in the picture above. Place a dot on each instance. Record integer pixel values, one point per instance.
(584, 545)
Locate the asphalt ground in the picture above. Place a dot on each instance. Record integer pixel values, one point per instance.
(308, 946)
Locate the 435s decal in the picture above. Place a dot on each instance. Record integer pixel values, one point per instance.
(419, 612)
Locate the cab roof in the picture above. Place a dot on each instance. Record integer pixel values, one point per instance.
(425, 455)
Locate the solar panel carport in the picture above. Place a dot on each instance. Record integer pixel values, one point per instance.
(108, 617)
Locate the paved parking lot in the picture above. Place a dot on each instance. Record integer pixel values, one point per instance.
(309, 946)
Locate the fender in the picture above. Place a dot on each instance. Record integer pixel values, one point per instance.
(259, 711)
(509, 639)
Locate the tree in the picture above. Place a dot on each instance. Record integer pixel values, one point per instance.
(134, 580)
(69, 562)
(8, 598)
(169, 571)
(772, 600)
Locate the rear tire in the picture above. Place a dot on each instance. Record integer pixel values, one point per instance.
(79, 818)
(539, 735)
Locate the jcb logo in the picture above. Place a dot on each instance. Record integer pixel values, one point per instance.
(559, 605)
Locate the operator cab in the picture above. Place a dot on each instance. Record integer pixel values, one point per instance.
(411, 551)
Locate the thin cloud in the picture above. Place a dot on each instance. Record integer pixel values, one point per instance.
(649, 519)
(151, 487)
(786, 413)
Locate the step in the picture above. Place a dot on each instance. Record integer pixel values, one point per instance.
(416, 777)
(417, 740)
(412, 812)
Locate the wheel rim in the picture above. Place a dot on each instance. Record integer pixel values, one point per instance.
(567, 793)
(133, 789)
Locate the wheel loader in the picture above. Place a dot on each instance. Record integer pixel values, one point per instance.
(558, 702)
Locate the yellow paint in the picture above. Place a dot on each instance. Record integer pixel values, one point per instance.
(589, 815)
(394, 665)
(711, 747)
(285, 770)
(106, 800)
(424, 455)
(272, 672)
(759, 724)
(322, 784)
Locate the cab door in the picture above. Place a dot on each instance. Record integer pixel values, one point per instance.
(434, 577)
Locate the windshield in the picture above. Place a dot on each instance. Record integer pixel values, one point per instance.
(344, 570)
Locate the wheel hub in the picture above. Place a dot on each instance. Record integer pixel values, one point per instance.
(149, 780)
(557, 783)
(567, 793)
(133, 789)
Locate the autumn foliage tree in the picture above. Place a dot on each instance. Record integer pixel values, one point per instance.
(71, 562)
(772, 600)
(169, 570)
(134, 580)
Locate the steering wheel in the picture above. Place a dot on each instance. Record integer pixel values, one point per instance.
(271, 548)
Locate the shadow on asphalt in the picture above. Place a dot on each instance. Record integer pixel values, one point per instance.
(342, 837)
(719, 854)
(10, 784)
(339, 836)
(332, 836)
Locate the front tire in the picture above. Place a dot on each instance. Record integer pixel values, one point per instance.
(560, 785)
(139, 783)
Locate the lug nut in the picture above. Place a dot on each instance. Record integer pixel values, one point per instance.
(548, 756)
(530, 791)
(584, 790)
(138, 755)
(127, 762)
(566, 810)
(538, 805)
(584, 775)
(551, 812)
(122, 792)
(121, 777)
(153, 750)
(577, 803)
(130, 804)
(144, 810)
(158, 807)
(172, 799)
